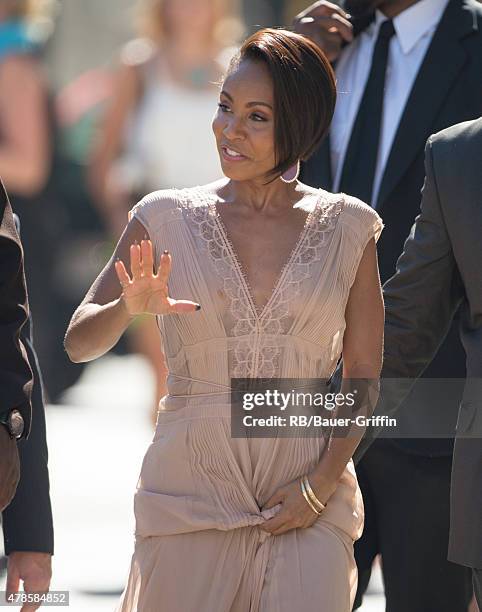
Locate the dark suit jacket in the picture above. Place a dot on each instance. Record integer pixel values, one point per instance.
(15, 374)
(447, 90)
(439, 272)
(27, 522)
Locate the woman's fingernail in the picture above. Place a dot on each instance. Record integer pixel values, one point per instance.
(198, 306)
(166, 252)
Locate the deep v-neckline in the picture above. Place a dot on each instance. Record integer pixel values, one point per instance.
(259, 313)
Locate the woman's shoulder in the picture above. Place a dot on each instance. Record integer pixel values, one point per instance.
(160, 202)
(362, 218)
(352, 205)
(328, 204)
(157, 207)
(351, 213)
(201, 195)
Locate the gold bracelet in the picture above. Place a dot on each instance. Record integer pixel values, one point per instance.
(305, 495)
(315, 501)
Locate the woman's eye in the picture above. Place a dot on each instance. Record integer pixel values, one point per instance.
(257, 117)
(223, 107)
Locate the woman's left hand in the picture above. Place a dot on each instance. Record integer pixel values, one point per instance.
(294, 513)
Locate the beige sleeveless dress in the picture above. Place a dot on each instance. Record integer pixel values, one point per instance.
(199, 547)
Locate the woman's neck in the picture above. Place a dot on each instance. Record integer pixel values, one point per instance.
(193, 65)
(190, 50)
(276, 196)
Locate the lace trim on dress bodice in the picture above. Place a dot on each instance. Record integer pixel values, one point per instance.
(254, 353)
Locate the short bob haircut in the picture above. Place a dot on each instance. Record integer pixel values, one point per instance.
(304, 89)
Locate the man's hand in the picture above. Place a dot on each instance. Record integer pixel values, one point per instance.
(35, 569)
(9, 467)
(327, 25)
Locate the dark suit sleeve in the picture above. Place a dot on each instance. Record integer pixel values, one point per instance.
(27, 521)
(15, 372)
(420, 299)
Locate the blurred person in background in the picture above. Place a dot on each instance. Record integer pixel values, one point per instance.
(163, 100)
(25, 140)
(27, 157)
(27, 520)
(405, 69)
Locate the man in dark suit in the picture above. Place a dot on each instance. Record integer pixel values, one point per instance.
(439, 273)
(405, 69)
(28, 538)
(15, 372)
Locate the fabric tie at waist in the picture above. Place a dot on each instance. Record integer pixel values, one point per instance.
(260, 564)
(226, 388)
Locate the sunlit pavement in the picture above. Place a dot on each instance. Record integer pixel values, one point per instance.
(97, 439)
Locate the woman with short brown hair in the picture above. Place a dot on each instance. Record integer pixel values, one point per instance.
(278, 280)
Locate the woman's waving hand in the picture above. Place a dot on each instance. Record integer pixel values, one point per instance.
(127, 287)
(146, 291)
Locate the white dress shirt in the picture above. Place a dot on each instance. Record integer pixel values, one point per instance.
(414, 29)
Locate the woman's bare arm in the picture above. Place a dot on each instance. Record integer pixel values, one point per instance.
(129, 285)
(364, 315)
(25, 148)
(362, 360)
(102, 317)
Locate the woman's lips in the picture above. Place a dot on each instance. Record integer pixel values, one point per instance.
(231, 155)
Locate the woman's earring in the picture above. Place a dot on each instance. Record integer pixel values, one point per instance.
(290, 175)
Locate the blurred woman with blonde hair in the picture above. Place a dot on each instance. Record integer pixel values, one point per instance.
(27, 153)
(24, 145)
(166, 79)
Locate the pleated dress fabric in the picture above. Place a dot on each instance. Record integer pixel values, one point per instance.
(198, 544)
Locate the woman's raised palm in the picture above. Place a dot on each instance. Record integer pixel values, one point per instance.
(146, 291)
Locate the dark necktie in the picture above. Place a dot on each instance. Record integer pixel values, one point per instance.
(361, 155)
